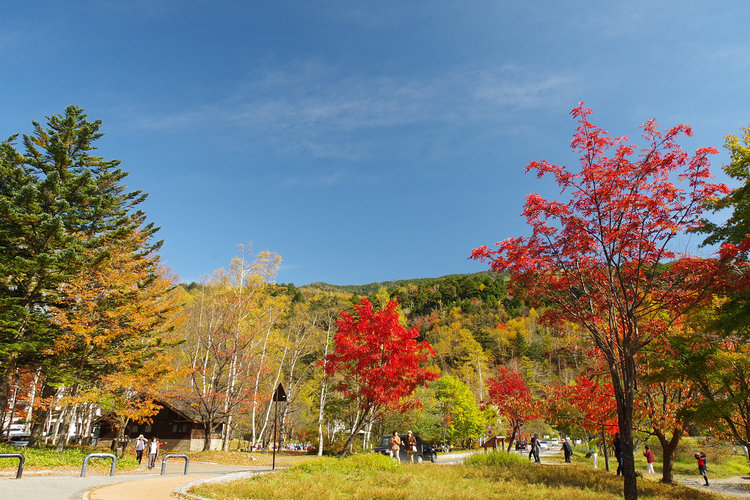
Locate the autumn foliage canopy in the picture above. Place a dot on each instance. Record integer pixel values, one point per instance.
(512, 397)
(380, 360)
(605, 256)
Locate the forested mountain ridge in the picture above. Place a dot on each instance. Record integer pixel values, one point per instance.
(420, 296)
(370, 288)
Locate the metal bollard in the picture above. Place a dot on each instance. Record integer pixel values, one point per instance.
(174, 455)
(21, 461)
(99, 455)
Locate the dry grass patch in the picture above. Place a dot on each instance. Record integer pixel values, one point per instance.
(575, 477)
(493, 475)
(283, 459)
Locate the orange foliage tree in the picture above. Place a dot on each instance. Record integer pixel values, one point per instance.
(114, 322)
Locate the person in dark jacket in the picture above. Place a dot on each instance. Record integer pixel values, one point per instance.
(567, 450)
(702, 470)
(617, 445)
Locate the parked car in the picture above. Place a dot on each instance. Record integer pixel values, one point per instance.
(554, 442)
(424, 451)
(19, 439)
(544, 445)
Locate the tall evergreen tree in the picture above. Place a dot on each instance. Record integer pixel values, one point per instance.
(60, 205)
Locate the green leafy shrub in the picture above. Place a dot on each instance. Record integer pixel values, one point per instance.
(355, 464)
(496, 459)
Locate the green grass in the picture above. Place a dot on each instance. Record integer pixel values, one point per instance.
(496, 475)
(72, 457)
(722, 463)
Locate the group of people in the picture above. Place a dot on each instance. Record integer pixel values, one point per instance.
(410, 443)
(700, 456)
(142, 444)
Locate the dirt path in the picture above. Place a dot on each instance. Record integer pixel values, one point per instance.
(147, 489)
(738, 487)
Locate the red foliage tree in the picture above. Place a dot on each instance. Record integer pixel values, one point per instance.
(597, 406)
(379, 361)
(598, 257)
(513, 399)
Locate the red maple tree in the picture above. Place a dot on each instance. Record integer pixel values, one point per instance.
(599, 257)
(597, 406)
(513, 399)
(379, 360)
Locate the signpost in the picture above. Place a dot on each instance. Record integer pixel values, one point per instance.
(279, 395)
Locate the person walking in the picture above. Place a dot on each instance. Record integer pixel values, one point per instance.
(617, 445)
(649, 459)
(411, 446)
(140, 445)
(567, 450)
(531, 446)
(594, 454)
(537, 448)
(153, 452)
(395, 446)
(702, 469)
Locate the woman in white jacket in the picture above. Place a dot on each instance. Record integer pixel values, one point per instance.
(153, 451)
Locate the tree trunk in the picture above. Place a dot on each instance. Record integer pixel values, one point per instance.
(12, 407)
(207, 436)
(257, 381)
(355, 430)
(512, 437)
(121, 441)
(668, 450)
(226, 433)
(270, 403)
(62, 428)
(6, 381)
(624, 389)
(604, 450)
(30, 407)
(323, 393)
(41, 418)
(630, 490)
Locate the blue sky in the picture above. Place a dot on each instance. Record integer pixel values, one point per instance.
(362, 141)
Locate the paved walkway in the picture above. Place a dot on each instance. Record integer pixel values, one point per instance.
(141, 484)
(738, 487)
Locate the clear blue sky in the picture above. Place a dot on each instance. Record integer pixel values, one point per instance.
(362, 141)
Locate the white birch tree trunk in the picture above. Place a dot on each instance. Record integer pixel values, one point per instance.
(257, 380)
(323, 390)
(273, 388)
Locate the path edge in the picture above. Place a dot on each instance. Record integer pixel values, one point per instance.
(182, 491)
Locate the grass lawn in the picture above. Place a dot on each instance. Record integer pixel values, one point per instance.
(48, 458)
(493, 475)
(722, 463)
(70, 458)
